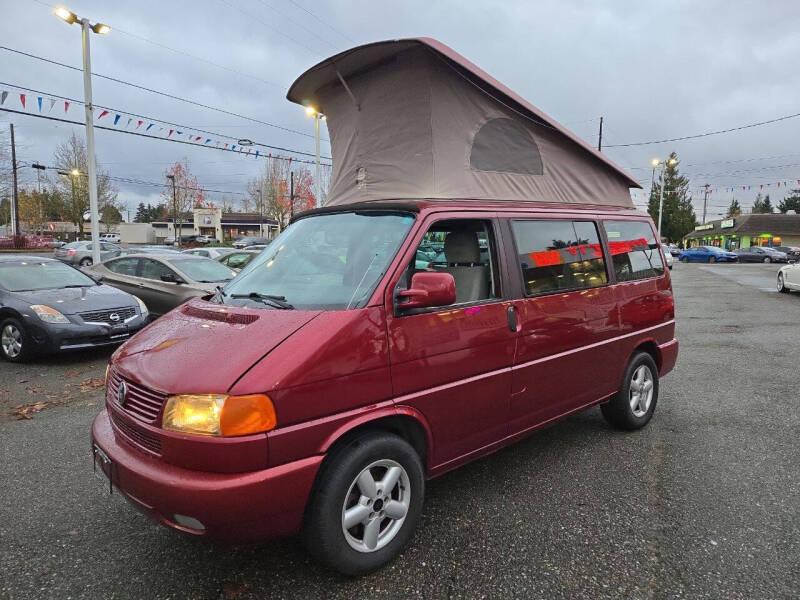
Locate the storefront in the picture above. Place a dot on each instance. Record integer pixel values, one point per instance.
(747, 230)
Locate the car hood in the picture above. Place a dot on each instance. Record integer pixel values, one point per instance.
(202, 347)
(76, 300)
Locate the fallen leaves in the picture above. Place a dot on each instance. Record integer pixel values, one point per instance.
(26, 411)
(231, 591)
(92, 383)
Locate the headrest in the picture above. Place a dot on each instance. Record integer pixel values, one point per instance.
(462, 247)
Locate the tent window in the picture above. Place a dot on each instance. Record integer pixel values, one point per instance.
(504, 145)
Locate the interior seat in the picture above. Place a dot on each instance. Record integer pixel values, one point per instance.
(463, 254)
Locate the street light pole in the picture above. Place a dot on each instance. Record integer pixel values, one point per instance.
(175, 233)
(260, 211)
(317, 174)
(661, 202)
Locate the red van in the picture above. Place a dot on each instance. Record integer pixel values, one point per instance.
(478, 274)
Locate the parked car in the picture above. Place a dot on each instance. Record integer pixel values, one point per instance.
(670, 261)
(164, 281)
(250, 240)
(214, 253)
(709, 254)
(789, 278)
(238, 260)
(206, 239)
(673, 250)
(792, 252)
(763, 254)
(47, 306)
(114, 238)
(80, 253)
(149, 250)
(366, 363)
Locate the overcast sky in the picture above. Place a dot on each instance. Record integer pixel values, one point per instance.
(654, 70)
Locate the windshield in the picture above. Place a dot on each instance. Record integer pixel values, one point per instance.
(203, 270)
(26, 276)
(324, 262)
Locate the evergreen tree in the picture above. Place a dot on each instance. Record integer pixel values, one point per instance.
(734, 210)
(768, 208)
(679, 218)
(760, 205)
(141, 214)
(791, 202)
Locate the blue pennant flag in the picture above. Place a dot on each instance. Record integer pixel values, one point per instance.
(179, 132)
(116, 119)
(256, 153)
(39, 100)
(233, 147)
(208, 140)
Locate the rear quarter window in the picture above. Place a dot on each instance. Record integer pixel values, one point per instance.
(634, 250)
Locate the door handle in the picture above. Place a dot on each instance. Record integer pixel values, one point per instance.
(511, 315)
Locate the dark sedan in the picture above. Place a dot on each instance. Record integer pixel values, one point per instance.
(793, 252)
(164, 281)
(762, 254)
(47, 306)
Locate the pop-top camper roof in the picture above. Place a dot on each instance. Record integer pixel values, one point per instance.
(414, 119)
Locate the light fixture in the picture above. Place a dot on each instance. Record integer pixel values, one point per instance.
(75, 172)
(101, 28)
(310, 111)
(655, 162)
(65, 15)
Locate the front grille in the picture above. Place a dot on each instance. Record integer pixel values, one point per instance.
(140, 402)
(104, 316)
(136, 435)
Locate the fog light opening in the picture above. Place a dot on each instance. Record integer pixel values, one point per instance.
(189, 522)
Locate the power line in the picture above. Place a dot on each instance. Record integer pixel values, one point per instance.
(328, 25)
(706, 134)
(298, 24)
(160, 93)
(152, 137)
(145, 117)
(183, 52)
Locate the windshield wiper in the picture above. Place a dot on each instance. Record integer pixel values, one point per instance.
(77, 285)
(269, 300)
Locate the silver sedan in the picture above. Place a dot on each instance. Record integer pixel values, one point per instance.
(80, 253)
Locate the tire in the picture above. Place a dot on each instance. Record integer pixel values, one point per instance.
(712, 259)
(684, 259)
(15, 343)
(767, 259)
(339, 487)
(85, 262)
(781, 286)
(626, 412)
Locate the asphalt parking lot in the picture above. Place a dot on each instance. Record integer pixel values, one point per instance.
(703, 503)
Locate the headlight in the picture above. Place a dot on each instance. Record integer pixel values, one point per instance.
(48, 314)
(219, 414)
(142, 305)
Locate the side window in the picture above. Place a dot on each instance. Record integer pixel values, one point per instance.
(152, 269)
(237, 261)
(634, 250)
(559, 255)
(465, 248)
(123, 266)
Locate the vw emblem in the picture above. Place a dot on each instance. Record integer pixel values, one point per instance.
(114, 317)
(122, 393)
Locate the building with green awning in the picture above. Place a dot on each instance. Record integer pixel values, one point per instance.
(744, 231)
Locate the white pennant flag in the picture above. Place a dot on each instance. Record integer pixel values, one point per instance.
(52, 103)
(3, 97)
(129, 123)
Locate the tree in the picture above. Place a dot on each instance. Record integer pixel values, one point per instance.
(790, 202)
(270, 191)
(181, 192)
(71, 156)
(761, 205)
(679, 218)
(142, 215)
(734, 210)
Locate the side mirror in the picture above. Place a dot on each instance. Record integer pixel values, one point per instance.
(428, 289)
(170, 278)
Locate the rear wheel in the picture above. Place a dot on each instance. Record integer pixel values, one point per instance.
(15, 344)
(366, 503)
(767, 259)
(634, 405)
(781, 286)
(85, 262)
(712, 259)
(684, 259)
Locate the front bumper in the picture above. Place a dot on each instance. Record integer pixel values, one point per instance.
(235, 508)
(55, 337)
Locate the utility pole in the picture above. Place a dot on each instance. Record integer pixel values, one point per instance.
(87, 94)
(260, 211)
(176, 235)
(15, 193)
(600, 137)
(705, 201)
(661, 201)
(39, 168)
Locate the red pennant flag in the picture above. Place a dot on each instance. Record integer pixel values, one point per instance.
(197, 139)
(226, 146)
(171, 131)
(779, 184)
(742, 188)
(103, 114)
(22, 99)
(290, 161)
(762, 186)
(66, 106)
(139, 124)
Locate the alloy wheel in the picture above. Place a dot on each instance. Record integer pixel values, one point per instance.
(767, 259)
(376, 505)
(641, 391)
(780, 282)
(11, 341)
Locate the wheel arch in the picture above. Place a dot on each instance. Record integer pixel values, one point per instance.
(651, 348)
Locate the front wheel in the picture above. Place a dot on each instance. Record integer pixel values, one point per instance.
(767, 259)
(712, 259)
(86, 262)
(366, 503)
(781, 285)
(634, 405)
(684, 259)
(15, 344)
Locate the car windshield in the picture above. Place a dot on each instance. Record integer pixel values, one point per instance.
(25, 276)
(324, 262)
(203, 270)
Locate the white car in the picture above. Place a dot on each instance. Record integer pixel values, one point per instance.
(214, 253)
(789, 278)
(114, 238)
(668, 257)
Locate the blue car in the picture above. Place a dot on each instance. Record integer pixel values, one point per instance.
(708, 254)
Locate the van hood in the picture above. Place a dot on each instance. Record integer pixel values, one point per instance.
(202, 347)
(70, 301)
